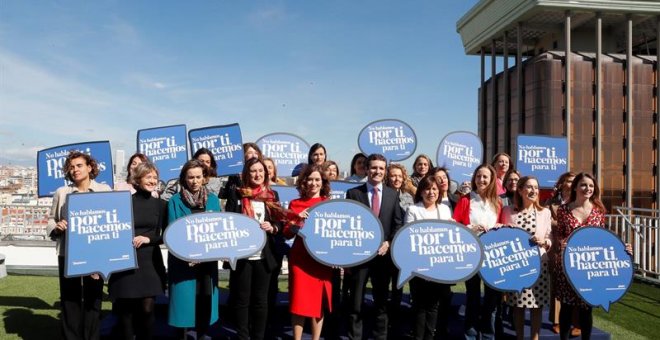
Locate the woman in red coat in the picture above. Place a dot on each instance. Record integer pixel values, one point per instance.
(480, 211)
(310, 283)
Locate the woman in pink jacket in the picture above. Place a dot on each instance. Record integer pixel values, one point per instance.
(526, 213)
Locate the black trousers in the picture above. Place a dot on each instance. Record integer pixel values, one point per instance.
(249, 289)
(426, 299)
(80, 300)
(355, 282)
(480, 318)
(136, 318)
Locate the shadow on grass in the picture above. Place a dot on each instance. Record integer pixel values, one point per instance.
(25, 301)
(27, 325)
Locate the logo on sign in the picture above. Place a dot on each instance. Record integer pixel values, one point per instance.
(436, 250)
(341, 233)
(99, 237)
(214, 236)
(512, 262)
(287, 150)
(220, 145)
(97, 224)
(460, 152)
(597, 266)
(342, 230)
(50, 165)
(160, 148)
(540, 157)
(392, 138)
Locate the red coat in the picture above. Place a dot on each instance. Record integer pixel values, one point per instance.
(462, 211)
(309, 281)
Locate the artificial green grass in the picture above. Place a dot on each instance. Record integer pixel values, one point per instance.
(635, 316)
(29, 309)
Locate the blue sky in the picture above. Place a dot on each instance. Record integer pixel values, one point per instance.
(75, 71)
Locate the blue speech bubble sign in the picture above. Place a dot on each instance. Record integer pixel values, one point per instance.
(511, 261)
(342, 233)
(287, 150)
(286, 194)
(597, 266)
(51, 161)
(391, 138)
(460, 152)
(436, 250)
(545, 157)
(214, 236)
(225, 143)
(166, 147)
(99, 236)
(338, 189)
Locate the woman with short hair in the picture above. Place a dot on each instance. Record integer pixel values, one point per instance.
(427, 295)
(134, 291)
(79, 317)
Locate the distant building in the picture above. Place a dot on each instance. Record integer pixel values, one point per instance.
(604, 97)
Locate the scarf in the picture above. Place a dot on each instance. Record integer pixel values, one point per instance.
(274, 209)
(197, 200)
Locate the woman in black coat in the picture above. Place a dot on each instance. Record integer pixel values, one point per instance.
(249, 282)
(134, 291)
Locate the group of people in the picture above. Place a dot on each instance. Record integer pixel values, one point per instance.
(497, 196)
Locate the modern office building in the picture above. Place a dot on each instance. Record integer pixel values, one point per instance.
(604, 97)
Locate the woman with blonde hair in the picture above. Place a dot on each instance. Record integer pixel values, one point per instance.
(272, 172)
(330, 170)
(397, 179)
(134, 291)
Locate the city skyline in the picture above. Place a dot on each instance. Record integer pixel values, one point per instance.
(73, 73)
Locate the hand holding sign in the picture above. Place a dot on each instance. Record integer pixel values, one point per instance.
(436, 250)
(597, 266)
(512, 261)
(341, 233)
(99, 233)
(214, 236)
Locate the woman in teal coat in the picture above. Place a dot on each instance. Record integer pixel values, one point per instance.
(193, 285)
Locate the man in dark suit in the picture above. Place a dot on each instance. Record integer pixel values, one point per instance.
(384, 202)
